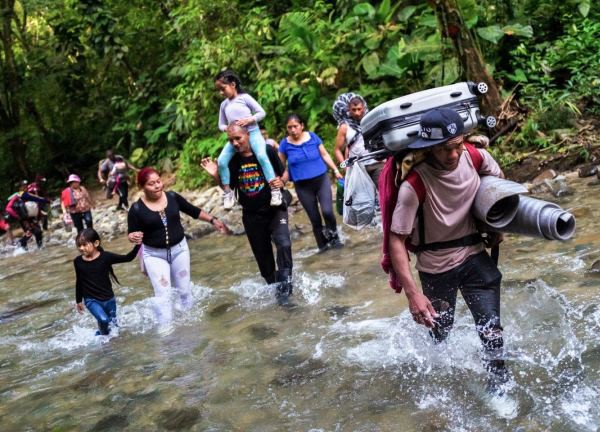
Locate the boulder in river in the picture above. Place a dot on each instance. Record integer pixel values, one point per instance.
(588, 170)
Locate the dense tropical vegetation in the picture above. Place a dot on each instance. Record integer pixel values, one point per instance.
(81, 76)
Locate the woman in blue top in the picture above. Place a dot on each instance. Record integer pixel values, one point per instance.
(306, 161)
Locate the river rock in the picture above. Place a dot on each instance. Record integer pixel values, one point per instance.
(558, 186)
(178, 418)
(548, 174)
(588, 170)
(113, 422)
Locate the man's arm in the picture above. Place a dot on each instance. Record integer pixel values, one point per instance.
(100, 177)
(340, 141)
(419, 305)
(211, 167)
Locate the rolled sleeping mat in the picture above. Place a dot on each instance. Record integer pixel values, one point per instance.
(497, 201)
(539, 218)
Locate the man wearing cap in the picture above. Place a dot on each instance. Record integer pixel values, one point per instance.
(433, 215)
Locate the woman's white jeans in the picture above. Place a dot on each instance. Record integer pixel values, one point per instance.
(168, 277)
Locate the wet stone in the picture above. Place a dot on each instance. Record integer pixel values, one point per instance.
(558, 186)
(587, 170)
(114, 422)
(261, 332)
(548, 174)
(337, 312)
(178, 418)
(302, 374)
(594, 182)
(24, 309)
(289, 358)
(221, 310)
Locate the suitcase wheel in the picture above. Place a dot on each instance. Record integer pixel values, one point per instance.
(482, 88)
(490, 121)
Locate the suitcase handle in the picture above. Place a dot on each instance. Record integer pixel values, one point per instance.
(406, 105)
(412, 133)
(455, 94)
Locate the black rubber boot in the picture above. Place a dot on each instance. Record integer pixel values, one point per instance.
(333, 239)
(498, 376)
(284, 287)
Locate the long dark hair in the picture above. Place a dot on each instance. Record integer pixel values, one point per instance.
(90, 235)
(230, 77)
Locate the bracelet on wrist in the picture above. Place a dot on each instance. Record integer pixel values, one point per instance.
(212, 220)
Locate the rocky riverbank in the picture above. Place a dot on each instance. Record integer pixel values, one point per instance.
(111, 224)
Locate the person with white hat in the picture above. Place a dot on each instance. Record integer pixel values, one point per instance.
(77, 203)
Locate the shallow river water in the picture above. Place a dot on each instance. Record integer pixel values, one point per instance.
(347, 358)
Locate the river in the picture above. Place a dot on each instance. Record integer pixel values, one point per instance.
(347, 358)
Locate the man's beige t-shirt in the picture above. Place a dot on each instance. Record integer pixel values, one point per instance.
(446, 210)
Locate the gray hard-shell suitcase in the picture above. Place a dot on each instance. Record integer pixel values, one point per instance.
(394, 124)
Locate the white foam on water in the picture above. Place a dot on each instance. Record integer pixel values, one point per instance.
(307, 286)
(581, 407)
(254, 292)
(310, 285)
(135, 318)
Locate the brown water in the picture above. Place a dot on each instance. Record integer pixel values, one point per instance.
(348, 358)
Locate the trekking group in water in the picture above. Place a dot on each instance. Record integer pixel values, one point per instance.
(425, 209)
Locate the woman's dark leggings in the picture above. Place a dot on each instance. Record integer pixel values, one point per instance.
(79, 218)
(312, 193)
(478, 280)
(122, 192)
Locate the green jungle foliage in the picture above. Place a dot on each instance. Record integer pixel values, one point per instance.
(81, 76)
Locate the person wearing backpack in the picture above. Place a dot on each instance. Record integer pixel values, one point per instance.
(348, 111)
(430, 213)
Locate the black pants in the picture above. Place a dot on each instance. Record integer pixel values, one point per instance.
(79, 218)
(122, 192)
(261, 229)
(478, 280)
(31, 228)
(313, 193)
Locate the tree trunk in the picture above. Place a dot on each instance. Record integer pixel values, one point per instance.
(470, 58)
(10, 109)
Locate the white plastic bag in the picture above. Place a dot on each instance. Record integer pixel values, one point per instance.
(359, 197)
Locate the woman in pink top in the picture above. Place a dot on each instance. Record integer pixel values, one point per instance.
(77, 202)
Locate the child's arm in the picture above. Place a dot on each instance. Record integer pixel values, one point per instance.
(258, 113)
(222, 118)
(113, 258)
(78, 291)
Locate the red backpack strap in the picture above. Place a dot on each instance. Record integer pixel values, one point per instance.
(414, 179)
(475, 156)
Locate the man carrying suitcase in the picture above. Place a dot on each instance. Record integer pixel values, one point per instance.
(349, 109)
(432, 217)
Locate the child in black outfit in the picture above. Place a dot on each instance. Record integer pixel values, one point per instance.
(93, 272)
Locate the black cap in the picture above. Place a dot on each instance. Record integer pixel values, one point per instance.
(438, 126)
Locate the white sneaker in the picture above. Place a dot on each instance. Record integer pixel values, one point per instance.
(275, 197)
(228, 200)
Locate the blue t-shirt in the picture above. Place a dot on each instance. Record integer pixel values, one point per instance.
(304, 160)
